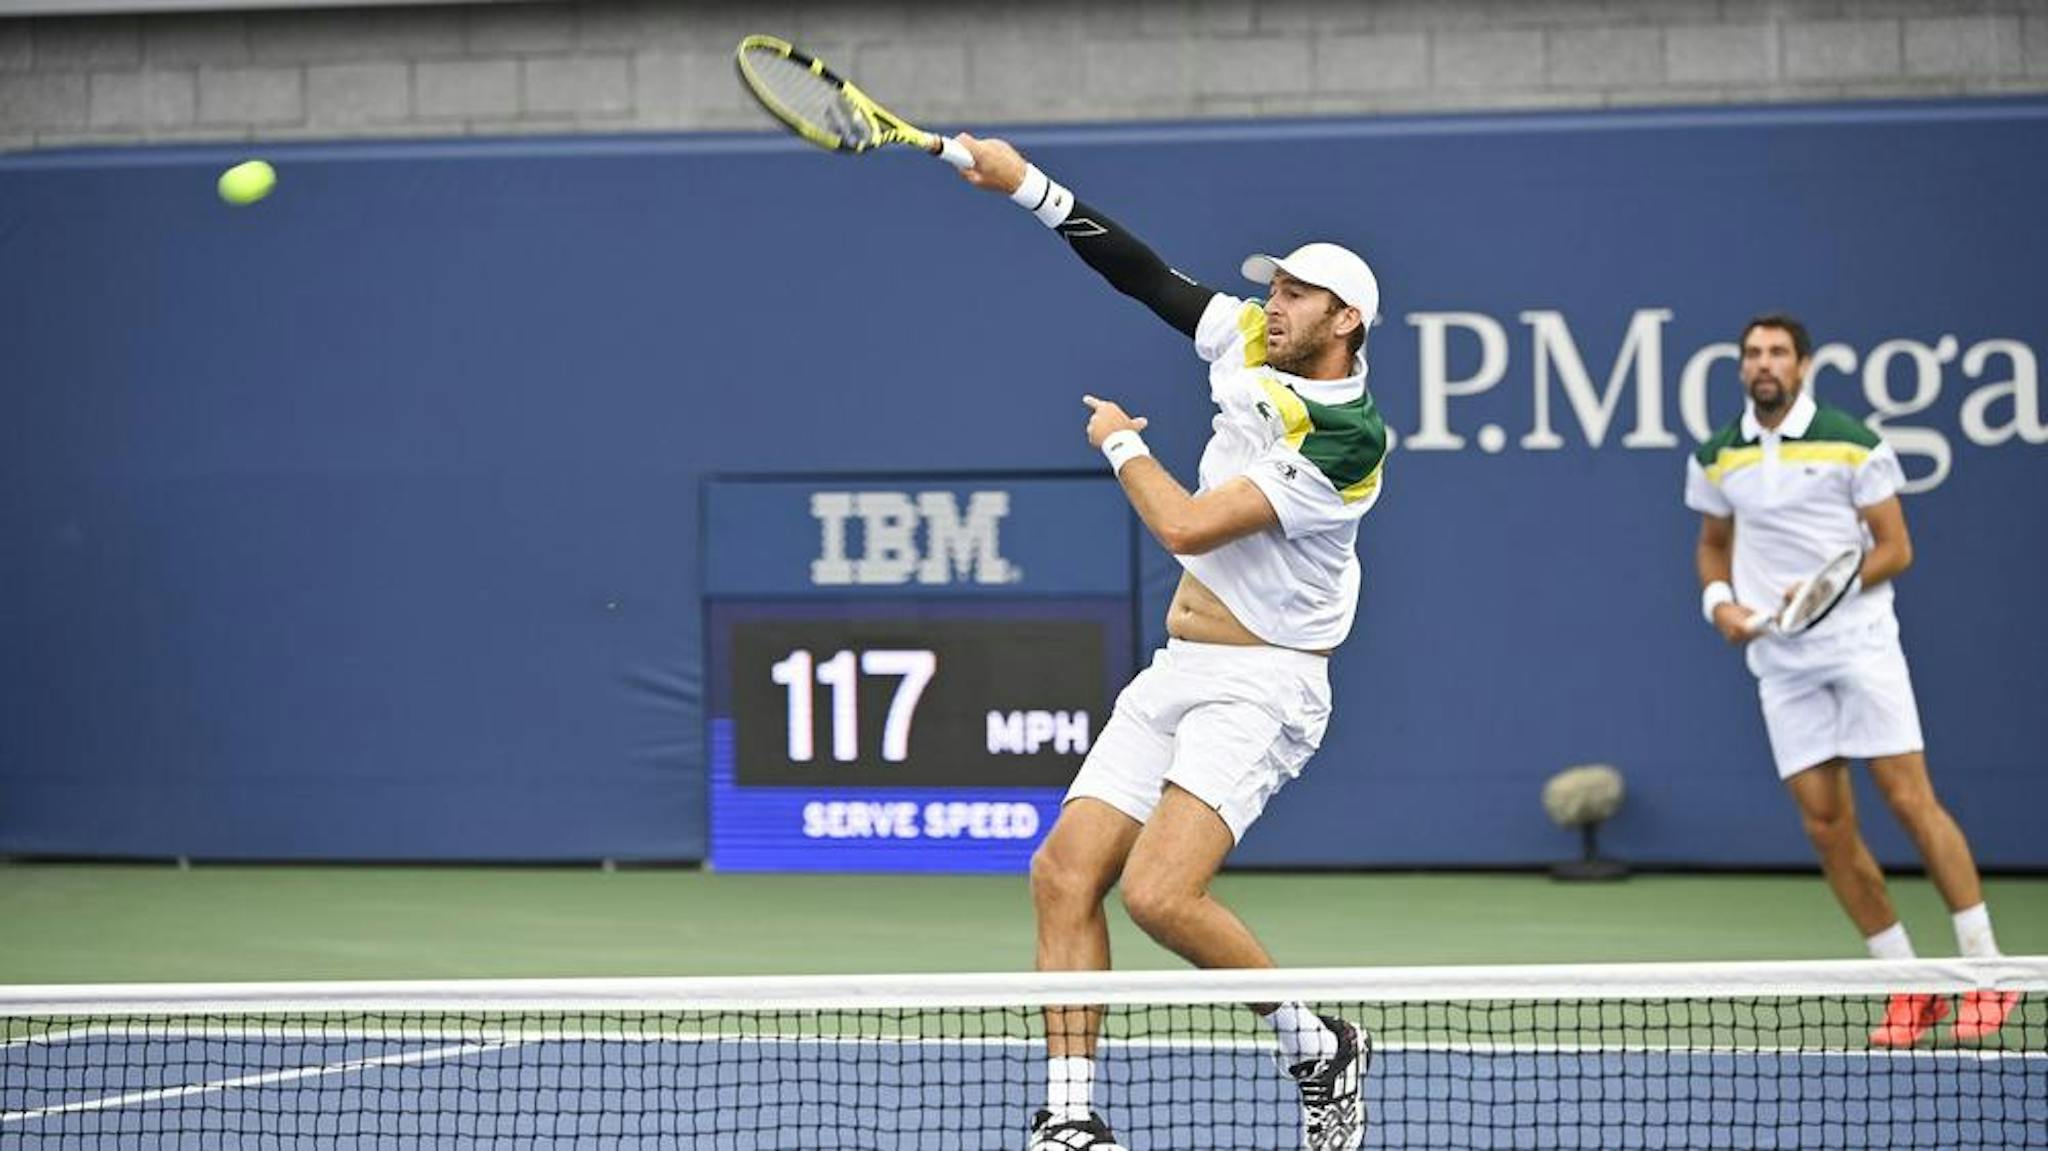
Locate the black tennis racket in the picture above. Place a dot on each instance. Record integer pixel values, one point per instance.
(1813, 598)
(821, 106)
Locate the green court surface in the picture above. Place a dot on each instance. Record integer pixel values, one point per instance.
(99, 923)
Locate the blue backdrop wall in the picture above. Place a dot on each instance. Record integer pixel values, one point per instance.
(363, 523)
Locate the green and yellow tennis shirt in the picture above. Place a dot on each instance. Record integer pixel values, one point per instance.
(1316, 448)
(1795, 493)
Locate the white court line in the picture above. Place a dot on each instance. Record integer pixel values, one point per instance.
(240, 1081)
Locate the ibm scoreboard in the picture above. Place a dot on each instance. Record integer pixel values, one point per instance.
(905, 672)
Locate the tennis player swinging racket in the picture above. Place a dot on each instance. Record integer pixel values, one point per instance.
(1236, 703)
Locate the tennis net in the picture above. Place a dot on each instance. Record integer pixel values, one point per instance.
(1607, 1056)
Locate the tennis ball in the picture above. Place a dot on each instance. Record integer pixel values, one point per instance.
(247, 182)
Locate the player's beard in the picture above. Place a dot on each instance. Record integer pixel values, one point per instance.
(1769, 395)
(1304, 347)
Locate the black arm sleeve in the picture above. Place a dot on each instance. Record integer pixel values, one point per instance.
(1134, 269)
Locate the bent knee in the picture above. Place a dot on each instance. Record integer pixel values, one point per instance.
(1910, 798)
(1058, 880)
(1918, 812)
(1156, 907)
(1830, 830)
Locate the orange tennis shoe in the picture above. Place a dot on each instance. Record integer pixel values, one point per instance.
(1907, 1018)
(1983, 1013)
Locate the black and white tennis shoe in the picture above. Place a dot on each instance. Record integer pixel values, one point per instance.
(1090, 1134)
(1332, 1104)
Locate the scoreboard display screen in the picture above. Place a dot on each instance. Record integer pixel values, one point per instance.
(886, 713)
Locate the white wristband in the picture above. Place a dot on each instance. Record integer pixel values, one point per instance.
(1043, 198)
(1714, 595)
(1123, 447)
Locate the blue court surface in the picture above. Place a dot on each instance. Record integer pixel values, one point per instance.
(327, 1089)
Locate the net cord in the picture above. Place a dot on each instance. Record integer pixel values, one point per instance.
(1618, 981)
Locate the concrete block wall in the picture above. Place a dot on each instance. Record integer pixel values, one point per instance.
(664, 65)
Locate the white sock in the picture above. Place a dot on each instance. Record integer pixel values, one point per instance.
(1973, 933)
(1891, 943)
(1302, 1036)
(1069, 1085)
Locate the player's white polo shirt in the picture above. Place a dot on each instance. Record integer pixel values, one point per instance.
(1795, 492)
(1316, 449)
(1841, 690)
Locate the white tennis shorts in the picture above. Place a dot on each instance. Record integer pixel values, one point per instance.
(1227, 724)
(1858, 708)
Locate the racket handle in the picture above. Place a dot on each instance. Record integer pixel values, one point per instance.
(1760, 622)
(953, 152)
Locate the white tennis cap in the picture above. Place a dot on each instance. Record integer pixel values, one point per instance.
(1329, 266)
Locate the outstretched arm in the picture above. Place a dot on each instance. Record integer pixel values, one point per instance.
(1121, 258)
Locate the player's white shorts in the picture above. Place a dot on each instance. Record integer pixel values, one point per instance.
(1227, 724)
(1856, 709)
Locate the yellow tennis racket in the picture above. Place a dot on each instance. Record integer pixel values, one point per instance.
(826, 109)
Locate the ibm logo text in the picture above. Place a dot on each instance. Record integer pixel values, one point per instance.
(906, 537)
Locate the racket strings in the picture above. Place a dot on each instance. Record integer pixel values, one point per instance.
(1825, 589)
(1817, 595)
(809, 97)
